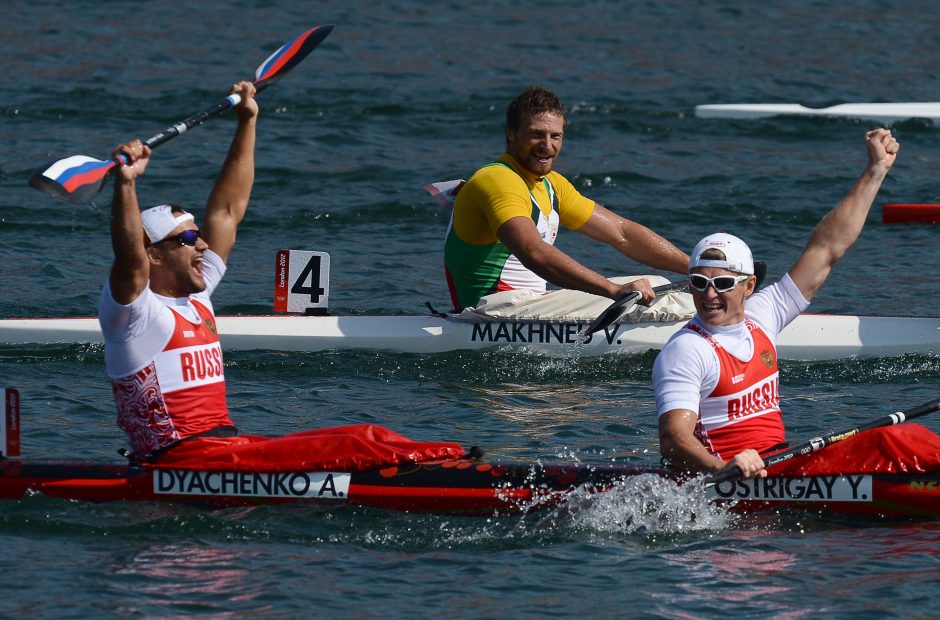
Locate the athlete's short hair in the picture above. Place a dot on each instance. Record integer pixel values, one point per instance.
(533, 100)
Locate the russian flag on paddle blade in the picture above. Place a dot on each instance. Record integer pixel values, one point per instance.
(279, 58)
(77, 170)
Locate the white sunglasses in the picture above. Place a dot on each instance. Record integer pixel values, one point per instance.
(721, 284)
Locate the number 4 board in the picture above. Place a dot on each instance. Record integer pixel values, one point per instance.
(302, 281)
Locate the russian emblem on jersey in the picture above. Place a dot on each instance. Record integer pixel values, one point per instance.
(768, 358)
(210, 325)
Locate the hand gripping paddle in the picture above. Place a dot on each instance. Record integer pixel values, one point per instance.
(619, 309)
(79, 178)
(818, 443)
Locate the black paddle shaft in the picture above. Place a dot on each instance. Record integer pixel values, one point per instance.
(623, 304)
(198, 118)
(181, 127)
(316, 37)
(818, 443)
(616, 311)
(94, 176)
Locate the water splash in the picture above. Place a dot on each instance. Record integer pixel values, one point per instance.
(647, 505)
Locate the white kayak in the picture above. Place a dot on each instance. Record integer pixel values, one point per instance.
(882, 112)
(809, 337)
(549, 323)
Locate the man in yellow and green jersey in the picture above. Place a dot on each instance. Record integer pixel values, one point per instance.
(505, 218)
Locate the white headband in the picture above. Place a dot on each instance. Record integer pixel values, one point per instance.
(160, 222)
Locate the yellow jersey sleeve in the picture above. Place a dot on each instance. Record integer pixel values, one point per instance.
(492, 196)
(495, 194)
(573, 208)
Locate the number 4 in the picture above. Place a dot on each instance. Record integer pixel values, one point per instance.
(312, 271)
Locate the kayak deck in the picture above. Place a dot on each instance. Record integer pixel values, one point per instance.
(882, 112)
(809, 337)
(460, 486)
(897, 213)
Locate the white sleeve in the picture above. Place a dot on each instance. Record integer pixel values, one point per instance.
(133, 333)
(213, 268)
(774, 307)
(120, 323)
(136, 332)
(684, 371)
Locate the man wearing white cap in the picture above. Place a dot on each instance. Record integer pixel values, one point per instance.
(162, 349)
(716, 379)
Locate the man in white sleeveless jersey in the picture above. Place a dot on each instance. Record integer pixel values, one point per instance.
(716, 379)
(162, 350)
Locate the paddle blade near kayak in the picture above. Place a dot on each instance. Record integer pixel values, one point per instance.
(614, 312)
(76, 179)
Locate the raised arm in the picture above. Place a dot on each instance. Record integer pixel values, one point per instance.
(228, 201)
(131, 268)
(839, 229)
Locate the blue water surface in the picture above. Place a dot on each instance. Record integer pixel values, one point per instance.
(405, 93)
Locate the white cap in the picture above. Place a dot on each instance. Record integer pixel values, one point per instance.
(160, 221)
(737, 254)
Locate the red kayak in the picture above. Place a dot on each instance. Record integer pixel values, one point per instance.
(459, 486)
(911, 213)
(909, 487)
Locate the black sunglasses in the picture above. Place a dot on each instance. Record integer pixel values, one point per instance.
(722, 284)
(187, 237)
